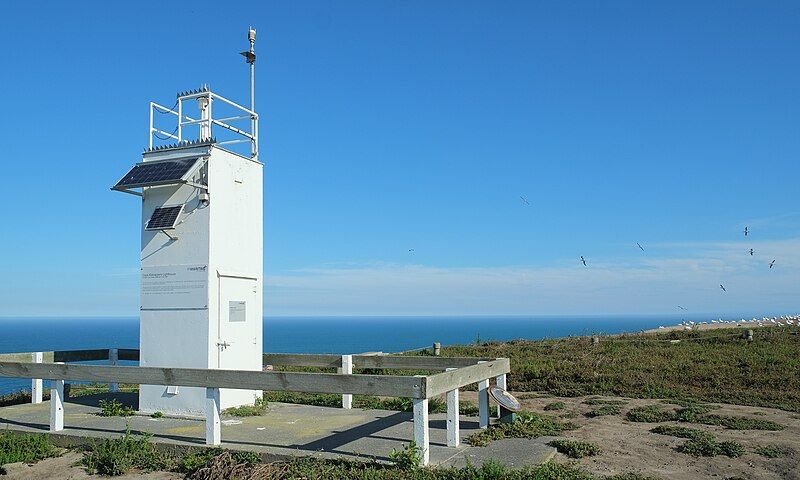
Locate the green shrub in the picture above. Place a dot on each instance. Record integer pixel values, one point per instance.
(575, 448)
(25, 447)
(256, 409)
(740, 423)
(707, 446)
(113, 408)
(157, 414)
(692, 412)
(407, 458)
(196, 460)
(650, 414)
(678, 431)
(527, 425)
(555, 406)
(117, 456)
(772, 451)
(605, 410)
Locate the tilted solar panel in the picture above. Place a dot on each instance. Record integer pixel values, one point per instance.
(157, 173)
(164, 217)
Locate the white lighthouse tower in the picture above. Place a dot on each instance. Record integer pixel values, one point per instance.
(201, 244)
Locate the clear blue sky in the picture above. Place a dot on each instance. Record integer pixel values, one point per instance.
(389, 126)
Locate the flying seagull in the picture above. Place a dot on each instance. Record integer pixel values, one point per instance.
(411, 250)
(751, 252)
(640, 246)
(771, 263)
(745, 231)
(681, 307)
(524, 201)
(722, 287)
(583, 260)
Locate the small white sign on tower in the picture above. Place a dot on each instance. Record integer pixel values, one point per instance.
(202, 246)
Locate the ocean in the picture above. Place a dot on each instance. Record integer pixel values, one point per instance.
(338, 335)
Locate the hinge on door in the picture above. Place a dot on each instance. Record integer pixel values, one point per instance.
(223, 345)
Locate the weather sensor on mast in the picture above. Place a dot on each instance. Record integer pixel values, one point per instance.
(201, 243)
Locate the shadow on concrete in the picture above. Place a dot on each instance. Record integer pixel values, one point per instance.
(129, 399)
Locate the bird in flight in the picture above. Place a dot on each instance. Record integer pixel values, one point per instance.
(745, 231)
(410, 250)
(524, 201)
(681, 307)
(722, 287)
(640, 246)
(583, 260)
(771, 263)
(751, 252)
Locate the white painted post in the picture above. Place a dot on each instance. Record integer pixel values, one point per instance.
(347, 369)
(36, 383)
(453, 433)
(113, 359)
(421, 432)
(501, 382)
(57, 405)
(483, 403)
(213, 426)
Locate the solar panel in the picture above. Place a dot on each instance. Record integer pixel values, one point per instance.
(157, 173)
(164, 217)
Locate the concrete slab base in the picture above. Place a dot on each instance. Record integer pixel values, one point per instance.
(286, 430)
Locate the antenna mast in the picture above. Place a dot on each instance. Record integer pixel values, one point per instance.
(250, 57)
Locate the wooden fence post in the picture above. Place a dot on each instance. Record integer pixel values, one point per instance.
(213, 427)
(500, 380)
(421, 432)
(347, 369)
(57, 405)
(36, 383)
(113, 359)
(453, 428)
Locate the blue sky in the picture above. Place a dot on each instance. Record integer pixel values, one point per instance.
(389, 126)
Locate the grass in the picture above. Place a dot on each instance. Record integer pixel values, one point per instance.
(555, 406)
(575, 448)
(118, 456)
(603, 401)
(113, 408)
(772, 451)
(527, 425)
(605, 410)
(25, 447)
(708, 366)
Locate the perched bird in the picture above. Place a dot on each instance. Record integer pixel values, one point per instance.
(771, 263)
(722, 287)
(524, 200)
(751, 252)
(584, 261)
(745, 231)
(640, 246)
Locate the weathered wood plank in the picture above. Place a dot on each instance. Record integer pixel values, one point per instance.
(24, 357)
(382, 385)
(128, 354)
(446, 381)
(413, 363)
(80, 355)
(302, 360)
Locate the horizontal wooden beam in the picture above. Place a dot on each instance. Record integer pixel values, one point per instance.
(446, 381)
(24, 357)
(81, 355)
(395, 362)
(381, 385)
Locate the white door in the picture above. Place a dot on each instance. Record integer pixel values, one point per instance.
(237, 342)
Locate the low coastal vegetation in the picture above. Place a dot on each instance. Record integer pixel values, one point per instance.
(113, 408)
(526, 425)
(575, 448)
(25, 447)
(709, 366)
(699, 414)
